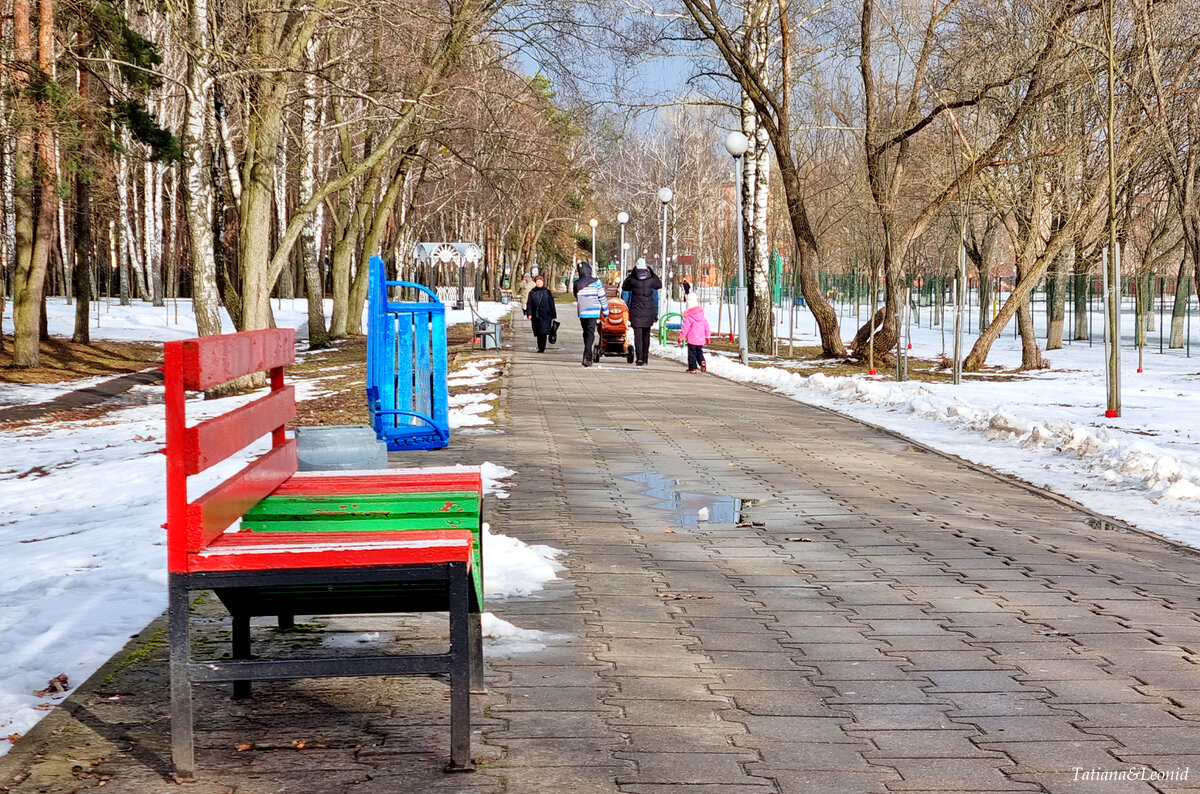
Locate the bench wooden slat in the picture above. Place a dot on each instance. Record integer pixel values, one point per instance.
(211, 442)
(213, 513)
(356, 523)
(379, 482)
(213, 360)
(379, 505)
(252, 551)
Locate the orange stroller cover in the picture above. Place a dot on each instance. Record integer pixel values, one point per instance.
(618, 316)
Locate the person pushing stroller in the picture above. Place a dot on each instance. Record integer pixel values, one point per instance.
(591, 302)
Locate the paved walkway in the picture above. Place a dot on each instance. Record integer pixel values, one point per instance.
(882, 619)
(82, 398)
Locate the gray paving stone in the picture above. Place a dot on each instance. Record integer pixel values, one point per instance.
(832, 782)
(1045, 756)
(808, 757)
(664, 688)
(667, 712)
(938, 774)
(908, 691)
(1032, 728)
(1114, 690)
(1005, 704)
(956, 743)
(793, 729)
(553, 751)
(757, 642)
(788, 703)
(699, 788)
(540, 698)
(688, 768)
(723, 737)
(977, 681)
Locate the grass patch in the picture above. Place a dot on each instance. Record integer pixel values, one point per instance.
(63, 360)
(140, 654)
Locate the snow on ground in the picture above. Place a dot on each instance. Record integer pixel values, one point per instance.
(1047, 428)
(81, 509)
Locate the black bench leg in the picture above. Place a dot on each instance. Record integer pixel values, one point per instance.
(182, 750)
(476, 627)
(241, 650)
(460, 670)
(287, 621)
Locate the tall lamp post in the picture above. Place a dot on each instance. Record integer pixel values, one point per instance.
(665, 195)
(594, 223)
(622, 218)
(736, 144)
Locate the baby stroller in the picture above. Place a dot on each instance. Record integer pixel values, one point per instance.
(613, 328)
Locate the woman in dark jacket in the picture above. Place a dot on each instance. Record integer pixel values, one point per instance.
(640, 293)
(539, 307)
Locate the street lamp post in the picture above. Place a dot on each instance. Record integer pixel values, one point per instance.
(622, 218)
(664, 195)
(736, 144)
(593, 223)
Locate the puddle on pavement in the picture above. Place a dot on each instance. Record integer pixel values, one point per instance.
(673, 496)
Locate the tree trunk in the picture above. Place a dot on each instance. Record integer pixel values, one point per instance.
(285, 287)
(1082, 286)
(82, 270)
(1031, 354)
(153, 229)
(35, 221)
(318, 335)
(199, 200)
(282, 44)
(760, 320)
(808, 259)
(1056, 297)
(1180, 307)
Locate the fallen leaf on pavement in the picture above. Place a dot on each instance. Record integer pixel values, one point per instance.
(12, 737)
(299, 744)
(241, 748)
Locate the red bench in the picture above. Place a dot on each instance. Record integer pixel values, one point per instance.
(350, 561)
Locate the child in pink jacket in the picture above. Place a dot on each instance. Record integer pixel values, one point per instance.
(695, 332)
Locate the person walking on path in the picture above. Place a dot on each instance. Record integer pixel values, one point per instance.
(694, 332)
(539, 309)
(591, 303)
(640, 293)
(524, 288)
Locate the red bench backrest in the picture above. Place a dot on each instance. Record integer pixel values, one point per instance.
(204, 363)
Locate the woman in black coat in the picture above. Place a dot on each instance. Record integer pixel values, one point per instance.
(539, 308)
(640, 293)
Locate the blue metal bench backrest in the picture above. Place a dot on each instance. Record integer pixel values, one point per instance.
(406, 366)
